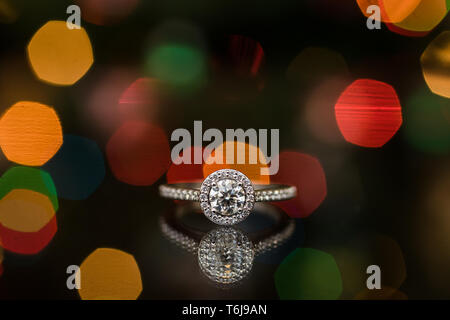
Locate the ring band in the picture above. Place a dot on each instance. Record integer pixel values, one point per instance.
(227, 196)
(225, 254)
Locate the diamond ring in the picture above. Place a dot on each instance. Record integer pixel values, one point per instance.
(225, 254)
(227, 196)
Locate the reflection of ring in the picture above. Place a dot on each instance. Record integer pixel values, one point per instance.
(225, 254)
(227, 196)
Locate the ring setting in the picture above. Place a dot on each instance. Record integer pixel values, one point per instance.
(227, 197)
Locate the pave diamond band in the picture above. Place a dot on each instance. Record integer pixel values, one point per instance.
(227, 196)
(187, 191)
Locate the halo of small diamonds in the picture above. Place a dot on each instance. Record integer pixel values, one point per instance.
(227, 197)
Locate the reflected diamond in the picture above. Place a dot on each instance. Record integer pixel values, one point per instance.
(225, 255)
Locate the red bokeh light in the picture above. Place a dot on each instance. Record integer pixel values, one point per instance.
(138, 153)
(238, 66)
(368, 113)
(306, 173)
(186, 172)
(140, 100)
(28, 243)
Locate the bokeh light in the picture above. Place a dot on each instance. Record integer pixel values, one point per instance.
(423, 19)
(28, 243)
(237, 65)
(392, 11)
(25, 210)
(427, 129)
(140, 100)
(8, 12)
(352, 260)
(59, 55)
(240, 159)
(432, 224)
(368, 113)
(387, 254)
(308, 274)
(31, 179)
(138, 153)
(306, 173)
(181, 66)
(110, 274)
(314, 65)
(318, 111)
(78, 168)
(99, 97)
(184, 172)
(106, 12)
(435, 63)
(30, 133)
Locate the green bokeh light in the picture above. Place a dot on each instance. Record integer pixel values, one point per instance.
(30, 179)
(308, 274)
(427, 128)
(178, 65)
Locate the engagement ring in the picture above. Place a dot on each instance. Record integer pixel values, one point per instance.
(227, 196)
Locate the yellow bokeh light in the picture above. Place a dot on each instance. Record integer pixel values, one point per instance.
(30, 133)
(59, 55)
(110, 274)
(426, 16)
(436, 65)
(246, 158)
(25, 210)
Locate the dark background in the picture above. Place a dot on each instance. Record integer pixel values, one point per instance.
(386, 199)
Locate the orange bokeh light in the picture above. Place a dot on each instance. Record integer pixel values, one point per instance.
(435, 63)
(391, 10)
(59, 55)
(241, 160)
(110, 274)
(30, 133)
(424, 18)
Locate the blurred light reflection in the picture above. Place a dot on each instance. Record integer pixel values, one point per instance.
(110, 274)
(138, 153)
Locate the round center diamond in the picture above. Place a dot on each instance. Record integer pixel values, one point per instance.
(225, 255)
(227, 197)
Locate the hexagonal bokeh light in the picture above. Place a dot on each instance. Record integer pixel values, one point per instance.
(106, 12)
(30, 179)
(110, 274)
(423, 19)
(368, 113)
(306, 173)
(138, 153)
(25, 210)
(30, 133)
(313, 65)
(78, 168)
(435, 62)
(59, 55)
(308, 274)
(392, 11)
